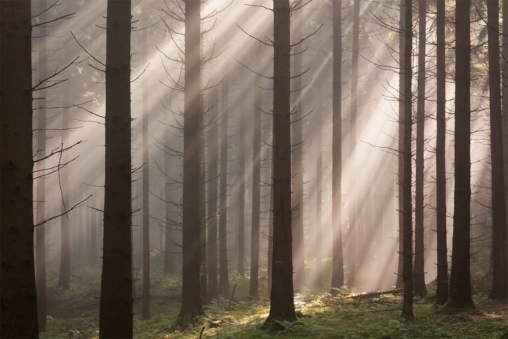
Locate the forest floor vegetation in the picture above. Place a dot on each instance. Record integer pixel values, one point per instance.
(75, 313)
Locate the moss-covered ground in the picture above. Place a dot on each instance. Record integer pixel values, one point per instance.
(75, 314)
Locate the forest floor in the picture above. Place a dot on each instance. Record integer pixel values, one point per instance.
(75, 314)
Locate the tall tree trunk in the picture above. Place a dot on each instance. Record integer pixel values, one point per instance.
(270, 234)
(504, 75)
(352, 155)
(499, 241)
(460, 279)
(202, 206)
(116, 285)
(419, 265)
(256, 184)
(65, 254)
(145, 304)
(442, 251)
(93, 235)
(338, 260)
(213, 284)
(191, 284)
(297, 161)
(281, 299)
(169, 248)
(40, 242)
(223, 248)
(402, 50)
(17, 280)
(407, 272)
(319, 191)
(241, 190)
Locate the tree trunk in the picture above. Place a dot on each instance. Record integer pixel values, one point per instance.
(169, 248)
(419, 265)
(499, 241)
(338, 260)
(504, 75)
(202, 207)
(93, 235)
(297, 161)
(191, 284)
(352, 143)
(442, 251)
(270, 235)
(40, 242)
(402, 51)
(256, 184)
(223, 248)
(460, 279)
(116, 285)
(145, 305)
(17, 287)
(407, 272)
(319, 191)
(65, 255)
(241, 191)
(213, 284)
(281, 299)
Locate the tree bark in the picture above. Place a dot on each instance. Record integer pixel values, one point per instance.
(319, 191)
(338, 260)
(93, 235)
(241, 191)
(407, 272)
(169, 248)
(17, 280)
(116, 314)
(191, 284)
(419, 264)
(460, 279)
(499, 289)
(256, 184)
(223, 248)
(281, 300)
(213, 284)
(442, 251)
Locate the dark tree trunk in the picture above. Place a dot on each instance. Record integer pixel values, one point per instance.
(116, 285)
(145, 304)
(419, 265)
(338, 260)
(223, 248)
(352, 154)
(65, 254)
(256, 184)
(241, 191)
(407, 271)
(213, 284)
(504, 62)
(191, 284)
(17, 287)
(442, 251)
(40, 242)
(297, 161)
(281, 299)
(400, 184)
(319, 191)
(460, 279)
(499, 241)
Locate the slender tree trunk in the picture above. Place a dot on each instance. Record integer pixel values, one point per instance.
(270, 235)
(499, 241)
(460, 279)
(407, 272)
(241, 191)
(256, 184)
(442, 251)
(40, 242)
(297, 161)
(281, 299)
(223, 248)
(145, 305)
(213, 284)
(116, 286)
(504, 63)
(65, 254)
(93, 236)
(419, 265)
(402, 84)
(17, 280)
(338, 260)
(169, 248)
(352, 155)
(319, 192)
(202, 208)
(191, 283)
